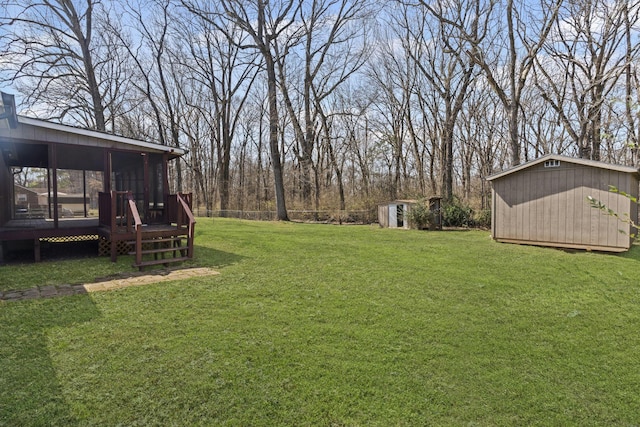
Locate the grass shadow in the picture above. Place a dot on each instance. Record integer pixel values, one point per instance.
(52, 251)
(29, 388)
(209, 257)
(633, 252)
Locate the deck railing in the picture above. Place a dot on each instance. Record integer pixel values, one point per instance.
(104, 209)
(132, 210)
(118, 212)
(180, 213)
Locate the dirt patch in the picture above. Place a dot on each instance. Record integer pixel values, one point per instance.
(116, 281)
(132, 274)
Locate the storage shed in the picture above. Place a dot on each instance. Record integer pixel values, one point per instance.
(395, 214)
(544, 202)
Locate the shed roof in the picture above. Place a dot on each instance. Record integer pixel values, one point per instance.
(26, 123)
(583, 162)
(400, 201)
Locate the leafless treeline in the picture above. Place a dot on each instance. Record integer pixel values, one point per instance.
(335, 104)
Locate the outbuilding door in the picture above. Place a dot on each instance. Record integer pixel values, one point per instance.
(397, 214)
(400, 216)
(393, 216)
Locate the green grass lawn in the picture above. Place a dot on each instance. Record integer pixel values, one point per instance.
(329, 325)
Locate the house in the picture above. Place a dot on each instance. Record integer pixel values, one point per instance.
(125, 179)
(27, 202)
(544, 202)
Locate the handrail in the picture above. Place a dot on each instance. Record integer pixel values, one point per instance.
(137, 223)
(120, 210)
(114, 210)
(186, 210)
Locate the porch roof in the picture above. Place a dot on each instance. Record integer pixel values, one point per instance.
(36, 130)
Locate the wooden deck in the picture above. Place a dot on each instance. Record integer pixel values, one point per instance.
(25, 229)
(47, 224)
(120, 224)
(38, 229)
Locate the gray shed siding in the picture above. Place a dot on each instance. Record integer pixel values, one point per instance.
(548, 206)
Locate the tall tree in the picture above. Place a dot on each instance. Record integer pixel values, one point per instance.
(586, 57)
(49, 51)
(152, 26)
(265, 22)
(391, 76)
(334, 47)
(632, 86)
(222, 77)
(438, 49)
(508, 57)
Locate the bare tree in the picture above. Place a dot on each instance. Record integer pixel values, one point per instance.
(587, 55)
(507, 68)
(51, 54)
(146, 32)
(333, 48)
(438, 48)
(388, 112)
(221, 78)
(152, 21)
(264, 22)
(632, 85)
(199, 159)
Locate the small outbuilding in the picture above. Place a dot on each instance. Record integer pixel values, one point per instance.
(395, 214)
(544, 202)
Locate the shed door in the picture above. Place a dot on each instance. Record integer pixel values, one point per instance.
(393, 216)
(400, 216)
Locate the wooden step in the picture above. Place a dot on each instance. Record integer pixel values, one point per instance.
(160, 261)
(159, 240)
(160, 250)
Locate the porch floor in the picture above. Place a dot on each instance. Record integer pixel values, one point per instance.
(146, 228)
(47, 224)
(28, 229)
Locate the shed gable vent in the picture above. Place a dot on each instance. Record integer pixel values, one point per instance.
(552, 163)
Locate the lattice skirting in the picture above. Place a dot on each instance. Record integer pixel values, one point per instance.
(67, 239)
(104, 247)
(123, 248)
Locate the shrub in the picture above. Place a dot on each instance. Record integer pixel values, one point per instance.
(420, 216)
(483, 218)
(456, 214)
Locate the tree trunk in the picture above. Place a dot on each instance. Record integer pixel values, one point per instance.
(447, 164)
(274, 149)
(514, 139)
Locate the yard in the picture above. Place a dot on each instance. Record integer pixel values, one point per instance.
(331, 325)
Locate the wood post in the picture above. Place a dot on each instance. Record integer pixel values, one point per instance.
(36, 249)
